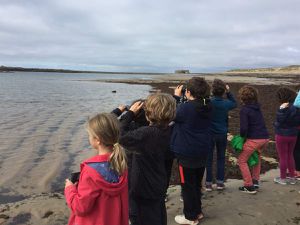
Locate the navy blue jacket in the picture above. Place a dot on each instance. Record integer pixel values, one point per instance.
(252, 123)
(191, 133)
(287, 121)
(221, 107)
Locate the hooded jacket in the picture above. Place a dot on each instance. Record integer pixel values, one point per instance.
(191, 136)
(287, 121)
(252, 123)
(101, 196)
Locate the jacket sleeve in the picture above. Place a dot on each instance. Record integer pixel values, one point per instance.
(180, 113)
(125, 121)
(231, 101)
(286, 114)
(243, 123)
(133, 140)
(81, 199)
(117, 112)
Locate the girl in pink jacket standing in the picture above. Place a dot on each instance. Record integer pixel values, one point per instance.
(100, 197)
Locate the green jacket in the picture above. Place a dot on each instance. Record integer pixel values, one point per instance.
(237, 143)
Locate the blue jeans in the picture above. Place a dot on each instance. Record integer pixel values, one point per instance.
(220, 142)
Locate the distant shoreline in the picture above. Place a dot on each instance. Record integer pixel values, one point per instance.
(6, 69)
(288, 70)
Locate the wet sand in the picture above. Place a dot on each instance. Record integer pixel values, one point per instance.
(273, 205)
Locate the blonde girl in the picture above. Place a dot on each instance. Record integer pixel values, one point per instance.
(101, 194)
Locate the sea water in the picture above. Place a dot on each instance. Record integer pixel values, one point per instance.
(42, 133)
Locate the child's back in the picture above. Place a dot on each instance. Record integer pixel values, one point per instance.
(149, 145)
(252, 123)
(103, 194)
(148, 176)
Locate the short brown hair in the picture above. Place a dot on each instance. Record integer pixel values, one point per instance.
(198, 87)
(160, 108)
(248, 94)
(285, 94)
(218, 87)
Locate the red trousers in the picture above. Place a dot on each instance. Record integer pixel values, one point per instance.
(248, 148)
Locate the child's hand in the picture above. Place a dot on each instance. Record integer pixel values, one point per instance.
(284, 105)
(122, 108)
(227, 88)
(68, 183)
(178, 90)
(135, 108)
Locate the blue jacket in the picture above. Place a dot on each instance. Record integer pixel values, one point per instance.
(191, 133)
(221, 107)
(287, 121)
(252, 123)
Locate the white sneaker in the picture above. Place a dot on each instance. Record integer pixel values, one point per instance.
(182, 220)
(292, 180)
(278, 180)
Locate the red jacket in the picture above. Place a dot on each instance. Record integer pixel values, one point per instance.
(96, 201)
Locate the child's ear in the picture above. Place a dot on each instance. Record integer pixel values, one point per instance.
(98, 141)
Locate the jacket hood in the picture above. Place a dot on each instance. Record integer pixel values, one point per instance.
(109, 188)
(253, 106)
(202, 105)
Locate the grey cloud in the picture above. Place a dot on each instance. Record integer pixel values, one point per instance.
(145, 35)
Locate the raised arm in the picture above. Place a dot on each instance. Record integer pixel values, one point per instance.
(231, 100)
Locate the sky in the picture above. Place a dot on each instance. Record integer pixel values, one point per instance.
(150, 35)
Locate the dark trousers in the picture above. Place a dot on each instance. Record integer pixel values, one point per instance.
(168, 167)
(191, 191)
(220, 142)
(297, 153)
(147, 211)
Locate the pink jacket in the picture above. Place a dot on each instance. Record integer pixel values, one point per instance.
(96, 201)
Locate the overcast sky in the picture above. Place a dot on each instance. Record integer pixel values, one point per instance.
(149, 35)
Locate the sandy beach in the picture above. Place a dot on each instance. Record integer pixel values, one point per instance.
(274, 204)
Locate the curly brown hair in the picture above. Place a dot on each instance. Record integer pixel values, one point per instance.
(218, 87)
(198, 87)
(285, 94)
(160, 108)
(248, 95)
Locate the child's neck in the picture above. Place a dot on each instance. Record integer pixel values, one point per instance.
(103, 150)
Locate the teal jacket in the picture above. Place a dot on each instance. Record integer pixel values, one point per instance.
(220, 110)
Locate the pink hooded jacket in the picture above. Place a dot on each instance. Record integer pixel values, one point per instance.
(96, 201)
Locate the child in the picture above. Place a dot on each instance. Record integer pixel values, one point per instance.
(253, 128)
(149, 144)
(286, 134)
(219, 131)
(190, 142)
(101, 195)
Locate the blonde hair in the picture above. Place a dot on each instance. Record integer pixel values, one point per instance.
(105, 127)
(160, 108)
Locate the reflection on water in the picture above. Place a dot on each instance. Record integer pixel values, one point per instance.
(42, 125)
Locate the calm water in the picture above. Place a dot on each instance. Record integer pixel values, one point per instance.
(42, 125)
